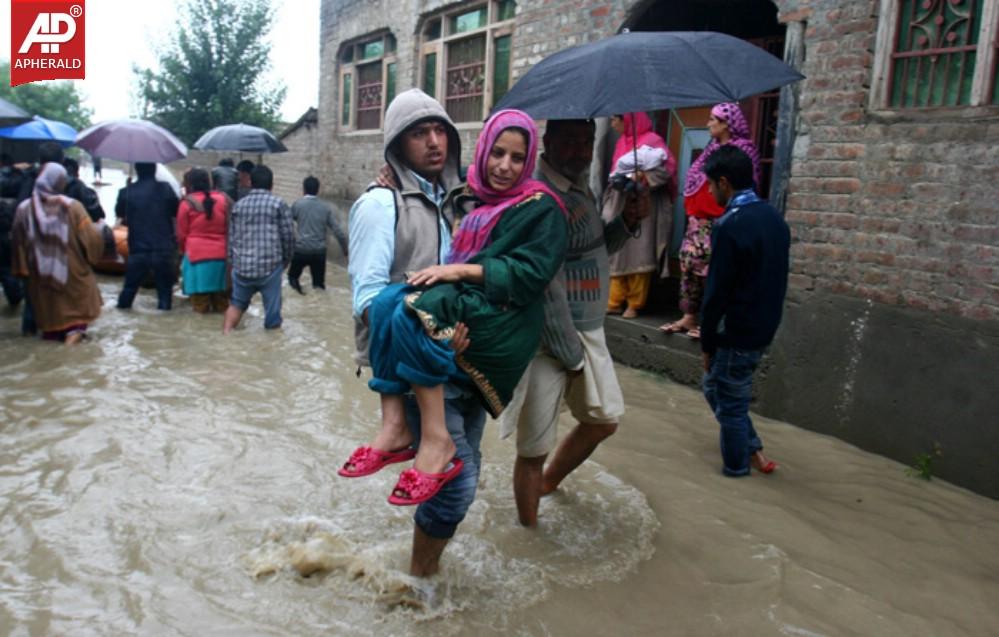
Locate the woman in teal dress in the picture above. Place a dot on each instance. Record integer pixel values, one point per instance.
(502, 258)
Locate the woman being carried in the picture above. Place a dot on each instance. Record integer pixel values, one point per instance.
(502, 258)
(726, 125)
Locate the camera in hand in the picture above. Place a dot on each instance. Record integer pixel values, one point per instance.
(624, 183)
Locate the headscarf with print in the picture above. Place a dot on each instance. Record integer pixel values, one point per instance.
(738, 128)
(48, 228)
(473, 234)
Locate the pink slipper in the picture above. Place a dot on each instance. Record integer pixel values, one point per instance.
(368, 460)
(415, 486)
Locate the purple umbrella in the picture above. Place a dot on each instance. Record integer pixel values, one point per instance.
(131, 140)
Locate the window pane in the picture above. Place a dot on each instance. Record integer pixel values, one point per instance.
(348, 54)
(501, 67)
(933, 63)
(369, 95)
(372, 50)
(505, 9)
(390, 43)
(465, 79)
(347, 91)
(432, 31)
(389, 84)
(469, 21)
(430, 74)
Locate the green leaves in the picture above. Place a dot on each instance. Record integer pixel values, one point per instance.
(52, 100)
(211, 72)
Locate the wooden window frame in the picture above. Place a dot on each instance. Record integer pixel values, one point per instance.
(493, 29)
(351, 68)
(985, 59)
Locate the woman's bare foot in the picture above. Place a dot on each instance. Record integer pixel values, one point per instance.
(687, 323)
(433, 455)
(74, 338)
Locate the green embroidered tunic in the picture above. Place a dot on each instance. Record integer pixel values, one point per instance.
(505, 314)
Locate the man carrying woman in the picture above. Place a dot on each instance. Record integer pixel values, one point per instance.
(403, 229)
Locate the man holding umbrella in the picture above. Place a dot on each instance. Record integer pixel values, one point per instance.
(574, 363)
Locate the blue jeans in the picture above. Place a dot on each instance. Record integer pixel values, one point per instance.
(466, 419)
(269, 287)
(728, 387)
(161, 262)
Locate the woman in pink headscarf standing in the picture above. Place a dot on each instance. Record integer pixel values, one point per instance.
(726, 125)
(641, 160)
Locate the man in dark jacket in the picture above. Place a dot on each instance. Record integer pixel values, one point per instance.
(76, 189)
(149, 209)
(742, 306)
(225, 178)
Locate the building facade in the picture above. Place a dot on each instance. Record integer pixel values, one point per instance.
(885, 161)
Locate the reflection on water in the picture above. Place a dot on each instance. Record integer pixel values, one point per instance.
(161, 479)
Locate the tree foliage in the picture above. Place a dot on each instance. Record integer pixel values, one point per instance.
(211, 72)
(58, 100)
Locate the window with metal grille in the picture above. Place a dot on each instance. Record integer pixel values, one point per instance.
(466, 55)
(367, 81)
(939, 53)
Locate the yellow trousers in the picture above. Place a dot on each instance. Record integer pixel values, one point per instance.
(630, 288)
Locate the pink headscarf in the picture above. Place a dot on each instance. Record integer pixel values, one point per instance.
(730, 113)
(643, 136)
(473, 235)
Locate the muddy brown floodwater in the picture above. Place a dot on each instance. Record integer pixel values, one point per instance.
(163, 480)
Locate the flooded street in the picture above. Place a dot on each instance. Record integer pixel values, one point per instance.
(163, 480)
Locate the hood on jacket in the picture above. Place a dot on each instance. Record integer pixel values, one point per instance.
(408, 108)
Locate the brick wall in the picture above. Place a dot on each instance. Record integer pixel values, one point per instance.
(349, 160)
(898, 207)
(895, 207)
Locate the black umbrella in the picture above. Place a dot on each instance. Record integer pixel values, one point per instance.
(240, 137)
(11, 115)
(646, 71)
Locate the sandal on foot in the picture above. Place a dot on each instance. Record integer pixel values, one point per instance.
(672, 328)
(769, 467)
(694, 333)
(368, 460)
(415, 486)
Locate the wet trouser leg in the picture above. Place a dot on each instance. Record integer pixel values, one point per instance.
(465, 418)
(728, 388)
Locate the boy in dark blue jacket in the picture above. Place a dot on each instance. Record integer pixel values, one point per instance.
(742, 304)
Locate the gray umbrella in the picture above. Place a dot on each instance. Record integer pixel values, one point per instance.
(131, 140)
(646, 71)
(240, 137)
(11, 115)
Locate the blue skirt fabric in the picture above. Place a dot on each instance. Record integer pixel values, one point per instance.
(203, 277)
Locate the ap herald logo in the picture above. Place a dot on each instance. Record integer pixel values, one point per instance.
(46, 41)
